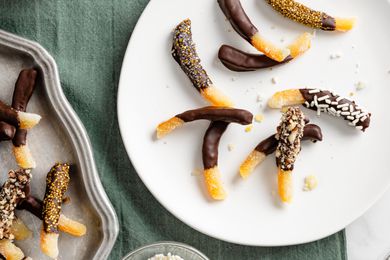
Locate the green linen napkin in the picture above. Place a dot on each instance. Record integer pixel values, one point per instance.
(88, 39)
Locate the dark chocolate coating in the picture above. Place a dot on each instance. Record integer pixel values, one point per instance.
(237, 60)
(184, 53)
(328, 23)
(231, 115)
(20, 137)
(32, 205)
(238, 18)
(210, 143)
(7, 131)
(267, 146)
(310, 132)
(310, 97)
(24, 88)
(8, 114)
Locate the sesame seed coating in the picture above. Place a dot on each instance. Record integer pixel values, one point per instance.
(303, 14)
(57, 182)
(289, 134)
(184, 52)
(10, 194)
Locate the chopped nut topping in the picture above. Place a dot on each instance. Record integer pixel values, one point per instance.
(11, 192)
(289, 133)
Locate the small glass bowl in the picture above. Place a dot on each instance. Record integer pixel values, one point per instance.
(184, 251)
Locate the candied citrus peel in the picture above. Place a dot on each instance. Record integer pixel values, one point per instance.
(49, 244)
(24, 157)
(213, 183)
(20, 230)
(168, 126)
(269, 49)
(216, 97)
(250, 163)
(10, 251)
(300, 45)
(71, 227)
(285, 185)
(345, 24)
(287, 97)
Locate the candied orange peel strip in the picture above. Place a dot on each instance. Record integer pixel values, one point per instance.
(27, 120)
(213, 183)
(300, 45)
(285, 185)
(71, 227)
(345, 24)
(49, 244)
(23, 157)
(10, 251)
(20, 230)
(251, 162)
(284, 98)
(269, 49)
(216, 97)
(168, 126)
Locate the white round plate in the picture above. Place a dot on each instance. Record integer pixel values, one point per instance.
(351, 166)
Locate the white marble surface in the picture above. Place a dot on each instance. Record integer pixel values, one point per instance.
(369, 236)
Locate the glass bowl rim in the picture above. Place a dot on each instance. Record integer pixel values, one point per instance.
(164, 243)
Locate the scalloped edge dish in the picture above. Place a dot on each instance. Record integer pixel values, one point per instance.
(108, 220)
